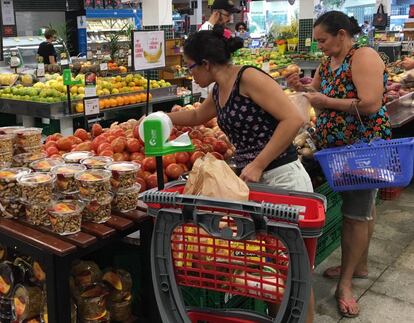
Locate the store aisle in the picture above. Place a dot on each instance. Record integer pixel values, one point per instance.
(388, 294)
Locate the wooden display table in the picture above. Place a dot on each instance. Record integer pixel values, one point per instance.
(55, 253)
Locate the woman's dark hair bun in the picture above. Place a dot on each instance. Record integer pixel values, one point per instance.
(232, 43)
(333, 21)
(355, 28)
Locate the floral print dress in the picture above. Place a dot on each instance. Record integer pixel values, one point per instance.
(337, 128)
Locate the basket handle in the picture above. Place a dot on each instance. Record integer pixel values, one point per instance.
(269, 210)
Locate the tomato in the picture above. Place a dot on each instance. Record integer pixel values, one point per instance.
(137, 156)
(168, 160)
(186, 129)
(106, 152)
(119, 132)
(111, 138)
(97, 141)
(118, 157)
(217, 155)
(75, 140)
(152, 180)
(133, 145)
(149, 164)
(196, 134)
(207, 148)
(195, 156)
(142, 183)
(209, 140)
(85, 146)
(118, 145)
(185, 167)
(55, 137)
(174, 171)
(135, 132)
(96, 129)
(50, 151)
(220, 146)
(196, 142)
(182, 157)
(104, 146)
(82, 134)
(64, 144)
(127, 156)
(50, 144)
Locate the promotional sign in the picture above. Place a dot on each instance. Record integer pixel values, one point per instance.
(90, 84)
(148, 50)
(7, 10)
(91, 106)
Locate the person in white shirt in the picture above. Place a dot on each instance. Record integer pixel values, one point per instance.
(221, 12)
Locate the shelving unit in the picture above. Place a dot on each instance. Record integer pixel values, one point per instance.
(174, 72)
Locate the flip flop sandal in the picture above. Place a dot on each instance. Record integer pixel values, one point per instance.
(342, 303)
(335, 273)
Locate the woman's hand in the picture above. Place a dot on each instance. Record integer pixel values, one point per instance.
(317, 100)
(407, 63)
(252, 173)
(293, 81)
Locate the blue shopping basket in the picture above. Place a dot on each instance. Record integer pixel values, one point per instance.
(378, 164)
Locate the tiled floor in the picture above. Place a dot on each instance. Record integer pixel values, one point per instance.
(388, 294)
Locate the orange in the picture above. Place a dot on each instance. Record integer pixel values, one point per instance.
(133, 99)
(79, 107)
(143, 97)
(120, 100)
(138, 98)
(102, 104)
(127, 99)
(113, 103)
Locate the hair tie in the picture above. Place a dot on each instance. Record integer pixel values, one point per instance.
(227, 33)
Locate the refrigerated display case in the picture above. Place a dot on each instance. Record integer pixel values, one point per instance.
(26, 47)
(101, 26)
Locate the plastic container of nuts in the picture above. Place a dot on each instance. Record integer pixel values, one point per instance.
(6, 158)
(11, 208)
(94, 184)
(22, 150)
(126, 200)
(75, 157)
(45, 165)
(28, 137)
(37, 187)
(9, 189)
(11, 130)
(37, 213)
(124, 174)
(96, 162)
(24, 160)
(92, 302)
(98, 211)
(65, 216)
(65, 177)
(27, 302)
(6, 142)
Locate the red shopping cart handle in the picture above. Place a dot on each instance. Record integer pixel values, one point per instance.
(269, 210)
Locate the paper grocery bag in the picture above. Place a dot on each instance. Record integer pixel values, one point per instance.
(214, 178)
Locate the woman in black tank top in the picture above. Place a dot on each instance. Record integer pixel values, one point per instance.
(251, 109)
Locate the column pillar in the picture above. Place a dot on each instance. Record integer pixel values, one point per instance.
(306, 16)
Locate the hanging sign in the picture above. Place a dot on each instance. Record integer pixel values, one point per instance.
(148, 50)
(7, 10)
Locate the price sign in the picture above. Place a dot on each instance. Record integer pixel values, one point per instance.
(40, 69)
(103, 66)
(91, 106)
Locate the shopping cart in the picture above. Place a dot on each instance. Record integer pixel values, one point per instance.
(377, 164)
(262, 249)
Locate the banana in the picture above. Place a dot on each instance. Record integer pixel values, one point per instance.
(153, 58)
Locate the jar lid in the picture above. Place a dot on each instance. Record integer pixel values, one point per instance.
(93, 175)
(10, 174)
(34, 179)
(123, 167)
(68, 169)
(76, 156)
(46, 164)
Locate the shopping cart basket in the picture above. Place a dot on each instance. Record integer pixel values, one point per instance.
(378, 164)
(262, 249)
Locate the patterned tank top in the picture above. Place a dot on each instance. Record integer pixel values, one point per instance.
(337, 128)
(248, 126)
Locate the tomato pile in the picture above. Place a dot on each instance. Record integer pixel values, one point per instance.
(121, 142)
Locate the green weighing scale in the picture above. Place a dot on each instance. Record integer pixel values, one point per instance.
(156, 146)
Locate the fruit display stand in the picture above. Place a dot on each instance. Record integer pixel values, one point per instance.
(55, 253)
(58, 110)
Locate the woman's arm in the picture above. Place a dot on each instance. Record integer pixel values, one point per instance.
(270, 97)
(204, 113)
